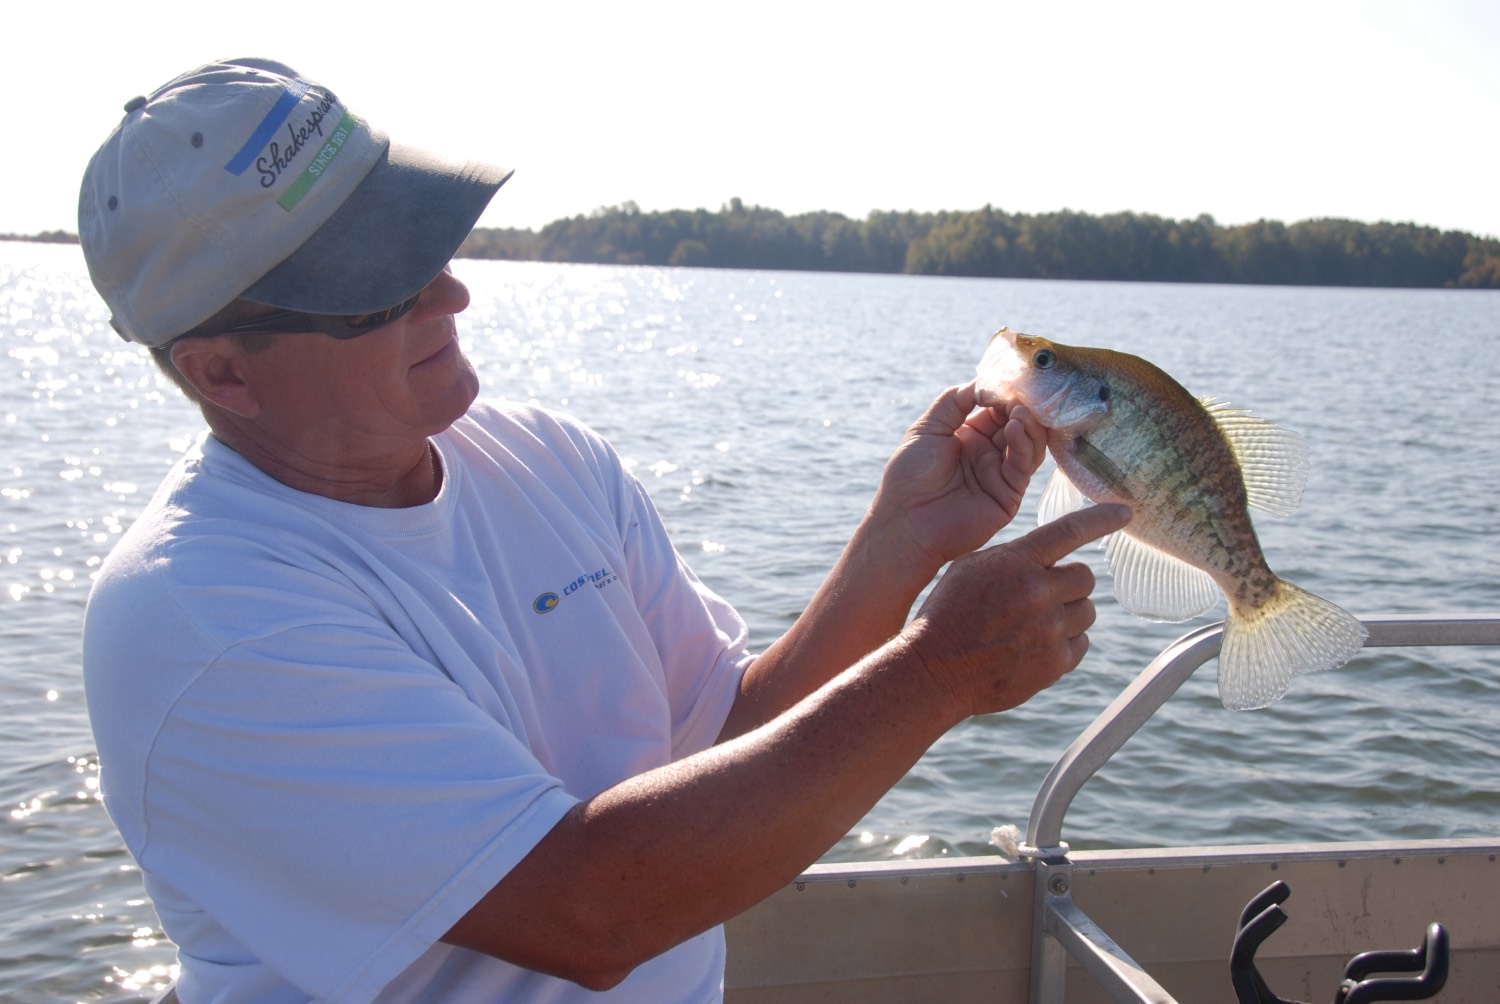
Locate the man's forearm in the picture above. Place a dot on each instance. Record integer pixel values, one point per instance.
(862, 604)
(658, 858)
(671, 853)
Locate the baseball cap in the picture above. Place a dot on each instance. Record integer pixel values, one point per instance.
(243, 179)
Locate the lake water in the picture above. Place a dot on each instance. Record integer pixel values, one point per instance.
(759, 409)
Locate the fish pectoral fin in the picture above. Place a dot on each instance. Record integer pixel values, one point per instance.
(1151, 583)
(1272, 460)
(1060, 498)
(1100, 466)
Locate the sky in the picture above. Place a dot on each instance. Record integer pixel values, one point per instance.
(1363, 109)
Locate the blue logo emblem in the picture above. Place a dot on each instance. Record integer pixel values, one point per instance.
(545, 603)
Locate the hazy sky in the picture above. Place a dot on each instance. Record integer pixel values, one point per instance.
(1367, 109)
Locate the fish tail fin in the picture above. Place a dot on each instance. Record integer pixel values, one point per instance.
(1291, 633)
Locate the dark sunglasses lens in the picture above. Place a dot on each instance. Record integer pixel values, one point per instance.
(337, 325)
(364, 322)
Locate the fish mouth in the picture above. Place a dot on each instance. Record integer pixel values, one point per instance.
(1000, 366)
(987, 397)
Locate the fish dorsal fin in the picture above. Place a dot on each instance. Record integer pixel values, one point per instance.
(1150, 583)
(1273, 460)
(1059, 498)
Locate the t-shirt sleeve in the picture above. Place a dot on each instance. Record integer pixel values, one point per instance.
(701, 638)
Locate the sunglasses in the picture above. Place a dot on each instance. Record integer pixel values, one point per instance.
(340, 326)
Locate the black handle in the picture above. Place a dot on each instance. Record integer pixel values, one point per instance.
(1275, 893)
(1258, 921)
(1430, 959)
(1263, 915)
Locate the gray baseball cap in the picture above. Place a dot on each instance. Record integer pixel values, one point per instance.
(242, 179)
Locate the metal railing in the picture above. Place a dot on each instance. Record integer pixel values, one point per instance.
(1061, 928)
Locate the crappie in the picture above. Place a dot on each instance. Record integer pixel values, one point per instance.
(1121, 430)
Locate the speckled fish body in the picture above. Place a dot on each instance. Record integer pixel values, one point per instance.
(1122, 430)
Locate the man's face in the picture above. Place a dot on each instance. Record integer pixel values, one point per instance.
(403, 381)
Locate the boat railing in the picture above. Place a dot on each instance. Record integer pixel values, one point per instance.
(1061, 929)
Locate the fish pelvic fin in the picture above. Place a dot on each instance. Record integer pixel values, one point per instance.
(1060, 497)
(1292, 633)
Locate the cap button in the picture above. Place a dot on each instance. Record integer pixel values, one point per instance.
(133, 104)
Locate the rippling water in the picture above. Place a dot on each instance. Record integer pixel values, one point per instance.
(759, 408)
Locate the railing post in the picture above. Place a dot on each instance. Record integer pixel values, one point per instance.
(1049, 960)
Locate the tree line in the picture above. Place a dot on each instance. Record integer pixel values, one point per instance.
(45, 237)
(992, 243)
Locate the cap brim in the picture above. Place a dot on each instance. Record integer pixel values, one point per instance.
(388, 240)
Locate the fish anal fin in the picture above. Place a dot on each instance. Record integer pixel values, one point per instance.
(1273, 460)
(1152, 584)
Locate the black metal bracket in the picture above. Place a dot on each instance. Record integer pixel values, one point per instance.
(1263, 915)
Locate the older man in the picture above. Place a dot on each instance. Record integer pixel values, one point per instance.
(365, 738)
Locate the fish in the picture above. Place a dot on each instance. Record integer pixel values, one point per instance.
(1123, 431)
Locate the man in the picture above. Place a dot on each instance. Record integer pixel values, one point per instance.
(404, 697)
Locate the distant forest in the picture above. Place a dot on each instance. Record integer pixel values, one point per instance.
(992, 243)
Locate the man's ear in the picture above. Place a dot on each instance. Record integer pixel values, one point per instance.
(215, 366)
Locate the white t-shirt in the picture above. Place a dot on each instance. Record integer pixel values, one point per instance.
(327, 730)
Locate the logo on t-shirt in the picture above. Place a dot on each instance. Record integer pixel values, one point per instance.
(547, 602)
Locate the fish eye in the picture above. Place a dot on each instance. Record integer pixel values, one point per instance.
(1104, 393)
(1044, 359)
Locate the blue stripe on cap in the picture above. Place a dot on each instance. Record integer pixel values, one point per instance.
(278, 114)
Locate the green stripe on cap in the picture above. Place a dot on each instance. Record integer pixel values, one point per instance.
(320, 163)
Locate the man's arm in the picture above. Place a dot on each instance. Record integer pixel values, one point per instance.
(957, 477)
(664, 856)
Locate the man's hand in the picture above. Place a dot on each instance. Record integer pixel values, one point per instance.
(957, 477)
(1007, 622)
